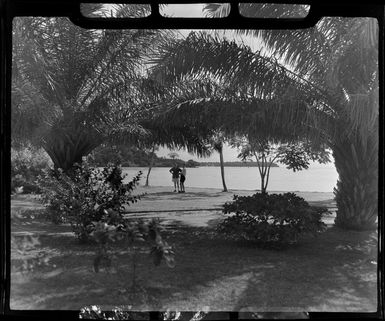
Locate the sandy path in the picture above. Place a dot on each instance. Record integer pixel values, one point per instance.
(200, 206)
(162, 198)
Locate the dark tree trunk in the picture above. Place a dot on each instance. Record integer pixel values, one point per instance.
(66, 146)
(150, 166)
(263, 185)
(220, 151)
(356, 193)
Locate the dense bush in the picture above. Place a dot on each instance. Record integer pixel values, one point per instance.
(27, 164)
(86, 195)
(132, 234)
(93, 201)
(271, 220)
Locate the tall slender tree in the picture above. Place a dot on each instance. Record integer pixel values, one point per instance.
(217, 144)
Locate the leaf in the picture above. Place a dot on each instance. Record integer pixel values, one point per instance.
(170, 261)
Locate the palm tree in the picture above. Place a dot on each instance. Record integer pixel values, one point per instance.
(217, 144)
(75, 88)
(151, 164)
(310, 88)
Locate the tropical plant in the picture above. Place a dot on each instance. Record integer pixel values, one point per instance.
(87, 196)
(27, 163)
(29, 258)
(216, 141)
(318, 84)
(271, 220)
(338, 55)
(130, 233)
(151, 163)
(295, 156)
(74, 88)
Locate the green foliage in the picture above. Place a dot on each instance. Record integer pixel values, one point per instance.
(120, 154)
(93, 201)
(27, 257)
(71, 108)
(26, 165)
(130, 233)
(132, 156)
(271, 220)
(295, 156)
(86, 195)
(192, 163)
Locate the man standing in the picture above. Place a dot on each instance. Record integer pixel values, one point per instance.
(175, 170)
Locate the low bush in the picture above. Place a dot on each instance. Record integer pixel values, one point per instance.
(86, 195)
(133, 234)
(93, 201)
(271, 220)
(27, 163)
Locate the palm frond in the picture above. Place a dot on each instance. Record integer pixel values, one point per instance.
(209, 57)
(274, 120)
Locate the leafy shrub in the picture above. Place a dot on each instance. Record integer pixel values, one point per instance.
(27, 164)
(131, 233)
(271, 220)
(87, 195)
(26, 256)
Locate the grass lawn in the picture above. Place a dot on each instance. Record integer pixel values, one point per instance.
(332, 272)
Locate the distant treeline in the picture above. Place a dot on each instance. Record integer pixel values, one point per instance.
(233, 164)
(135, 157)
(132, 157)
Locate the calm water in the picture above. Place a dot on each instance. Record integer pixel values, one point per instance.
(315, 179)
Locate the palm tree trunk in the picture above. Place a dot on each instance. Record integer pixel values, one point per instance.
(356, 193)
(150, 166)
(67, 146)
(220, 151)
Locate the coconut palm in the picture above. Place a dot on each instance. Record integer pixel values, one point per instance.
(216, 142)
(319, 84)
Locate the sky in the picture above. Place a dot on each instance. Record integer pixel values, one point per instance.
(183, 10)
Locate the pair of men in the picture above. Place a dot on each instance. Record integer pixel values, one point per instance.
(178, 177)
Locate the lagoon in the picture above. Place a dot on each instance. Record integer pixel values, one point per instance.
(318, 178)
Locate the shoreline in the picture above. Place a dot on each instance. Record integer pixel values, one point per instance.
(319, 180)
(307, 195)
(162, 198)
(197, 207)
(232, 190)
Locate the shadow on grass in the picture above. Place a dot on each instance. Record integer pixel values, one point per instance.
(317, 275)
(161, 196)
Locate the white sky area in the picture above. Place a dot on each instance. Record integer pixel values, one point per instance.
(192, 10)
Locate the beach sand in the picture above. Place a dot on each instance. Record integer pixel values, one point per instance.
(202, 206)
(198, 207)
